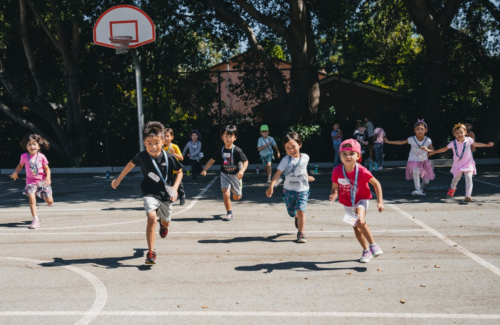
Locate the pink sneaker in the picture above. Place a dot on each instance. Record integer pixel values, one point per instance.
(35, 224)
(366, 257)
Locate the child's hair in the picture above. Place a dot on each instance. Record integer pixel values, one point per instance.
(169, 131)
(153, 129)
(420, 122)
(459, 126)
(230, 130)
(368, 117)
(292, 136)
(38, 138)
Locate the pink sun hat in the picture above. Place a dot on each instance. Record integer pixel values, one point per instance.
(355, 146)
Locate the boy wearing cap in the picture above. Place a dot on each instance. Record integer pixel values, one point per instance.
(350, 185)
(264, 145)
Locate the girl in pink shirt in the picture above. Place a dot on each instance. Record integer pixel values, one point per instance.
(37, 173)
(350, 185)
(463, 162)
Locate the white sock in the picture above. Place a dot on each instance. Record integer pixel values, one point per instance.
(416, 178)
(35, 217)
(371, 245)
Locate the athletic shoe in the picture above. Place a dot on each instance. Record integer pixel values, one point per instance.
(451, 192)
(380, 168)
(35, 224)
(269, 180)
(183, 201)
(366, 257)
(150, 258)
(422, 193)
(416, 193)
(163, 231)
(301, 238)
(375, 250)
(468, 199)
(296, 223)
(228, 217)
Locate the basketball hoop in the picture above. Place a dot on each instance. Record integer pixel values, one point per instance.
(120, 43)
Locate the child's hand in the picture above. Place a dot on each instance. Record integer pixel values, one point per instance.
(380, 207)
(333, 197)
(425, 149)
(48, 180)
(14, 176)
(278, 155)
(115, 183)
(239, 175)
(203, 173)
(490, 144)
(310, 178)
(174, 197)
(430, 154)
(270, 191)
(386, 140)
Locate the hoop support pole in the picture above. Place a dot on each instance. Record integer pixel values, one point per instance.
(138, 82)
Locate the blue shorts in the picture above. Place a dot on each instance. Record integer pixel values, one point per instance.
(267, 159)
(295, 201)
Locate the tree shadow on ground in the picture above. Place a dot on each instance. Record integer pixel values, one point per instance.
(215, 217)
(270, 239)
(301, 266)
(107, 262)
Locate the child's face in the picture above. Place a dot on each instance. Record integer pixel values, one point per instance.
(292, 148)
(264, 133)
(228, 138)
(336, 126)
(459, 134)
(420, 130)
(154, 145)
(349, 158)
(362, 129)
(194, 137)
(366, 119)
(32, 146)
(468, 126)
(168, 138)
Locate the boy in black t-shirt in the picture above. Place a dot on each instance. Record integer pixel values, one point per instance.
(160, 184)
(234, 163)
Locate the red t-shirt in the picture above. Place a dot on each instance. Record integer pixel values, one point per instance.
(362, 193)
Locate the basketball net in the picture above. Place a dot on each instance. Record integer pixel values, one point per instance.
(121, 43)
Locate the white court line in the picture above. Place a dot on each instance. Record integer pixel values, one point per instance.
(285, 232)
(253, 314)
(189, 207)
(474, 180)
(101, 294)
(450, 242)
(23, 189)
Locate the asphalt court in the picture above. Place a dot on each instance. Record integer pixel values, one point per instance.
(85, 264)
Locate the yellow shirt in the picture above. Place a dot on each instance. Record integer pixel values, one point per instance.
(173, 149)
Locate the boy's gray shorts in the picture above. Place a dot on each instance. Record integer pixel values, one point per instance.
(163, 209)
(231, 182)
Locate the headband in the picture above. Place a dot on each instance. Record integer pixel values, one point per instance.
(459, 125)
(420, 121)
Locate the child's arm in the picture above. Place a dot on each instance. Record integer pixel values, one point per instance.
(177, 182)
(196, 151)
(270, 189)
(242, 170)
(400, 142)
(310, 178)
(277, 151)
(334, 192)
(433, 152)
(186, 148)
(47, 174)
(483, 145)
(207, 167)
(125, 171)
(177, 154)
(264, 146)
(378, 190)
(339, 134)
(18, 169)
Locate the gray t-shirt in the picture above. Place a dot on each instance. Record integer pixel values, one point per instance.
(369, 129)
(296, 181)
(268, 150)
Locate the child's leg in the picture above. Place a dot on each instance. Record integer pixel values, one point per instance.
(226, 196)
(194, 168)
(32, 198)
(416, 178)
(468, 184)
(151, 230)
(363, 229)
(455, 180)
(268, 169)
(301, 220)
(181, 191)
(361, 239)
(49, 200)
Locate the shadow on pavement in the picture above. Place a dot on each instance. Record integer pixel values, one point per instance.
(215, 217)
(108, 262)
(301, 266)
(271, 239)
(20, 224)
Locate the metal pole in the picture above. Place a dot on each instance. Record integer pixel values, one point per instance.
(138, 82)
(105, 119)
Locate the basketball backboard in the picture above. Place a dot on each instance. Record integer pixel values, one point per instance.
(124, 20)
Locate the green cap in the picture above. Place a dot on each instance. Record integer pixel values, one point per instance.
(264, 128)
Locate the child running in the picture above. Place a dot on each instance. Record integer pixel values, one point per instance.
(418, 165)
(234, 163)
(159, 186)
(293, 170)
(265, 145)
(471, 134)
(378, 146)
(38, 174)
(195, 154)
(336, 135)
(350, 185)
(463, 162)
(175, 151)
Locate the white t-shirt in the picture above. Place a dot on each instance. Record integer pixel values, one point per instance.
(416, 154)
(296, 181)
(268, 150)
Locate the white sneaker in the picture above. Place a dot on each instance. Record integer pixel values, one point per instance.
(380, 168)
(416, 193)
(422, 192)
(35, 224)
